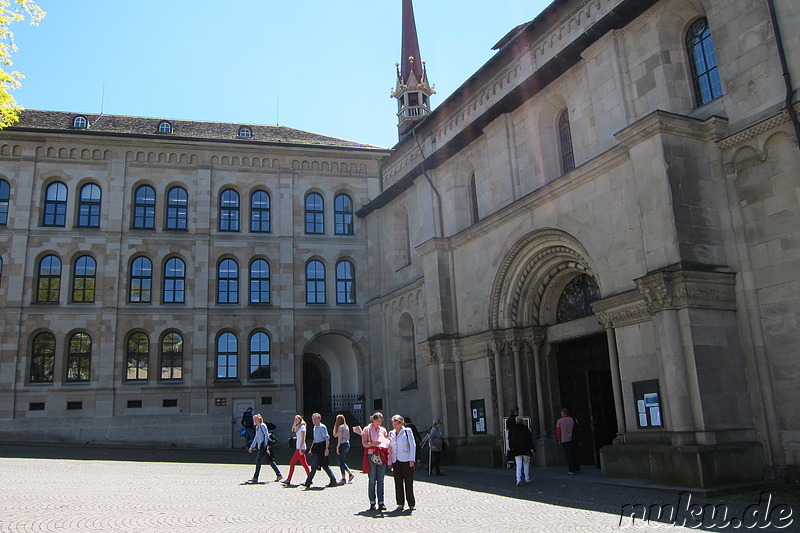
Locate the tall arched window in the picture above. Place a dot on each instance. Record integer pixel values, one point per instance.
(315, 214)
(343, 215)
(177, 208)
(89, 206)
(229, 210)
(576, 299)
(172, 356)
(79, 357)
(5, 197)
(473, 200)
(141, 280)
(406, 353)
(703, 61)
(48, 283)
(260, 212)
(565, 143)
(174, 281)
(55, 205)
(144, 207)
(315, 282)
(259, 282)
(83, 279)
(138, 357)
(259, 356)
(228, 282)
(227, 356)
(345, 283)
(43, 358)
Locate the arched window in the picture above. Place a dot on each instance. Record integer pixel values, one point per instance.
(138, 357)
(48, 284)
(144, 207)
(259, 282)
(177, 208)
(259, 212)
(174, 281)
(703, 61)
(245, 132)
(164, 127)
(406, 353)
(79, 357)
(89, 206)
(315, 282)
(43, 358)
(55, 205)
(83, 279)
(5, 197)
(576, 299)
(473, 200)
(172, 356)
(343, 214)
(229, 210)
(228, 282)
(79, 122)
(141, 280)
(315, 214)
(565, 143)
(259, 356)
(227, 356)
(345, 283)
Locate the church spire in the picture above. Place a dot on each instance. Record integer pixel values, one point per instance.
(412, 91)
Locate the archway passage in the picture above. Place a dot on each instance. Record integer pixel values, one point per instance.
(584, 377)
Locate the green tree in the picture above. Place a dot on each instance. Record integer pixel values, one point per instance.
(12, 11)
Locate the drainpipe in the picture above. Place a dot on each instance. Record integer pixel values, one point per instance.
(785, 69)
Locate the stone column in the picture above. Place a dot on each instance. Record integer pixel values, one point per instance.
(616, 383)
(495, 348)
(462, 402)
(537, 366)
(434, 389)
(515, 348)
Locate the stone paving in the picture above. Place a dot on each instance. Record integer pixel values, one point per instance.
(115, 494)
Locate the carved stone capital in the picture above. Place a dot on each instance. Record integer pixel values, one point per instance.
(686, 288)
(621, 309)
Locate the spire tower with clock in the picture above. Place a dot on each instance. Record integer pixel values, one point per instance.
(413, 91)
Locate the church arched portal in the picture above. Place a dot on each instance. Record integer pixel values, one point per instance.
(332, 379)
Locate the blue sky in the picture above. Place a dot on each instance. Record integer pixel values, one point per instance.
(325, 66)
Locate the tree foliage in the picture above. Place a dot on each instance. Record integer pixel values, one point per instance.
(12, 11)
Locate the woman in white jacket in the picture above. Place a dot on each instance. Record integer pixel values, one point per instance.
(402, 453)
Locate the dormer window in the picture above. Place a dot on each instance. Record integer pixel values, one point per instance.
(245, 132)
(164, 127)
(80, 122)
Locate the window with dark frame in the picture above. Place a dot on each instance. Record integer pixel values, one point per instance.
(315, 214)
(315, 282)
(565, 143)
(79, 358)
(229, 210)
(177, 209)
(703, 62)
(84, 279)
(345, 283)
(228, 282)
(138, 357)
(343, 215)
(164, 127)
(144, 207)
(174, 281)
(55, 205)
(260, 212)
(43, 358)
(172, 356)
(141, 289)
(89, 206)
(48, 282)
(259, 282)
(227, 356)
(259, 356)
(80, 122)
(5, 198)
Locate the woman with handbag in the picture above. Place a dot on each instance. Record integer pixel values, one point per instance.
(299, 430)
(376, 455)
(437, 447)
(402, 457)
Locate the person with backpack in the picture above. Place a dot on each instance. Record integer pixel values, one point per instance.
(567, 430)
(261, 445)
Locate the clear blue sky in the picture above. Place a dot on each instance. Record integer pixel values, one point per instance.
(325, 66)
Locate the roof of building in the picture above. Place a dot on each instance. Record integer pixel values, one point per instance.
(178, 129)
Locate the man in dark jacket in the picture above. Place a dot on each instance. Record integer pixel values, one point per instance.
(522, 450)
(249, 427)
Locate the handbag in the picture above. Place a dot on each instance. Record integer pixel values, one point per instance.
(292, 443)
(242, 432)
(376, 459)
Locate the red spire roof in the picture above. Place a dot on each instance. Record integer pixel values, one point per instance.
(410, 60)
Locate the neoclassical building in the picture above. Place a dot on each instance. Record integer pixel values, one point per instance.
(603, 217)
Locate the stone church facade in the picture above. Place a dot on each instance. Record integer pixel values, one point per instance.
(603, 217)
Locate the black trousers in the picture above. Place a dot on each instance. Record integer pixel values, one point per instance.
(571, 451)
(404, 483)
(436, 462)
